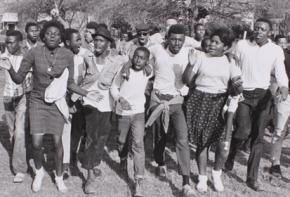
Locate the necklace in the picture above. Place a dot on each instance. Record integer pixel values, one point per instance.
(51, 64)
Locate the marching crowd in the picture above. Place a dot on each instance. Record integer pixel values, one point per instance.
(214, 89)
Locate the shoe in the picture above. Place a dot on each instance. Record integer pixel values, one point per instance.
(19, 177)
(97, 172)
(188, 191)
(124, 164)
(66, 171)
(275, 170)
(229, 165)
(253, 185)
(89, 187)
(37, 181)
(217, 181)
(139, 191)
(60, 184)
(202, 184)
(161, 171)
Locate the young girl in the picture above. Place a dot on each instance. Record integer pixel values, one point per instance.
(213, 73)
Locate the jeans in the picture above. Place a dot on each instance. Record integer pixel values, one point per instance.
(177, 121)
(281, 117)
(135, 124)
(98, 127)
(16, 117)
(251, 119)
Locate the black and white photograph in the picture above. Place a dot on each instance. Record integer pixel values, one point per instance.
(144, 98)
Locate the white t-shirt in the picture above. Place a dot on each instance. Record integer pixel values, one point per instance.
(214, 73)
(257, 63)
(168, 70)
(133, 90)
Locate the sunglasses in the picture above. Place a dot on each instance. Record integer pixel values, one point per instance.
(143, 33)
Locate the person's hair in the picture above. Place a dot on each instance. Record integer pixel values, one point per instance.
(68, 34)
(196, 26)
(265, 20)
(204, 41)
(176, 29)
(15, 33)
(114, 25)
(92, 25)
(226, 36)
(30, 24)
(103, 25)
(144, 49)
(52, 23)
(279, 36)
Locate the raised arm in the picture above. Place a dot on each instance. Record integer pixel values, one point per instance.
(26, 65)
(189, 72)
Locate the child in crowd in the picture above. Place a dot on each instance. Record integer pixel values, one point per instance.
(129, 95)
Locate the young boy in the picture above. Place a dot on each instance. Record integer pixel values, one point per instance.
(129, 95)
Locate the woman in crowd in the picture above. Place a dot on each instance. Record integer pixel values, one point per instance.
(213, 73)
(48, 62)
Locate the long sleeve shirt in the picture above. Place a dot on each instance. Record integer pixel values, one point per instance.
(258, 62)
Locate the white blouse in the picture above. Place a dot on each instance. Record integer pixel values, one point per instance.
(214, 73)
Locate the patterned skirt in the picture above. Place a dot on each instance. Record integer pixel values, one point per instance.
(204, 118)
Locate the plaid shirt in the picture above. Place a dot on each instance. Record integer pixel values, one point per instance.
(12, 89)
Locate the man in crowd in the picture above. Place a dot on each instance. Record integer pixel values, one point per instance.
(15, 105)
(32, 38)
(281, 116)
(143, 39)
(256, 60)
(98, 112)
(89, 31)
(166, 102)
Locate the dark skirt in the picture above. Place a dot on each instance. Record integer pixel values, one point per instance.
(45, 118)
(204, 118)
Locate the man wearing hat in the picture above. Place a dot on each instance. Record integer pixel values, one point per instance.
(166, 102)
(143, 34)
(98, 112)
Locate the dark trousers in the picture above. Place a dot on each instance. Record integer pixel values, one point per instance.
(77, 128)
(98, 127)
(251, 119)
(177, 121)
